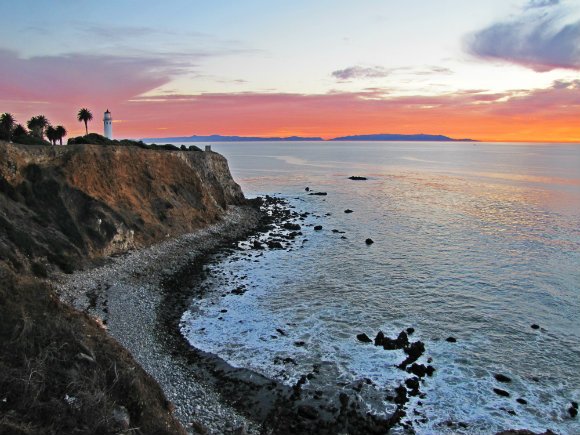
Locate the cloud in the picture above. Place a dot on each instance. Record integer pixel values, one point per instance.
(533, 4)
(360, 72)
(538, 39)
(77, 78)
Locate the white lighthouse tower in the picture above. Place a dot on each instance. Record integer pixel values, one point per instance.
(108, 121)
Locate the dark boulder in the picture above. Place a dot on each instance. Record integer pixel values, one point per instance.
(369, 241)
(522, 401)
(410, 331)
(317, 227)
(451, 340)
(290, 226)
(354, 177)
(348, 210)
(501, 393)
(401, 395)
(308, 412)
(534, 326)
(502, 378)
(318, 193)
(364, 338)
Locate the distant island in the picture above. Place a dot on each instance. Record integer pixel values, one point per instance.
(219, 138)
(402, 137)
(362, 137)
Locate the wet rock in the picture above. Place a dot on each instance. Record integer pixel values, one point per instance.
(355, 178)
(369, 241)
(421, 370)
(410, 331)
(451, 340)
(318, 228)
(292, 227)
(522, 401)
(274, 244)
(120, 419)
(364, 338)
(307, 189)
(299, 343)
(502, 378)
(308, 412)
(535, 326)
(573, 410)
(348, 210)
(257, 245)
(343, 398)
(401, 395)
(501, 392)
(414, 352)
(413, 386)
(318, 193)
(379, 338)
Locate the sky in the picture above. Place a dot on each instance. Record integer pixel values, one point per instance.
(493, 70)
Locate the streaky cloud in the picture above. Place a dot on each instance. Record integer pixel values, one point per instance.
(538, 39)
(360, 72)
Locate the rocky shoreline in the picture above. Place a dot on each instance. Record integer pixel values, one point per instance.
(124, 294)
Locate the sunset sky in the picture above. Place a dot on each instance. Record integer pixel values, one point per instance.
(499, 70)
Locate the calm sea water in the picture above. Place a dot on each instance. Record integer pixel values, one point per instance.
(476, 241)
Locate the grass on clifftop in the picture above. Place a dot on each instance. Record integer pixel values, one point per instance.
(60, 372)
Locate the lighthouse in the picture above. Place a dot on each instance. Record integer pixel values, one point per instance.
(108, 121)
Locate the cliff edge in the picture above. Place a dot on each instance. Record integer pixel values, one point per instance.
(61, 207)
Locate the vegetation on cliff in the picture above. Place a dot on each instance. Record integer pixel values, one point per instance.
(65, 206)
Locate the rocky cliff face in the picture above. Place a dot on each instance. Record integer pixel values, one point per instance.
(60, 205)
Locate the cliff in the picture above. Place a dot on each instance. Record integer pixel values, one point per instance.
(61, 207)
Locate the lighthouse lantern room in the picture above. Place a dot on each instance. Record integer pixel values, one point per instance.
(108, 121)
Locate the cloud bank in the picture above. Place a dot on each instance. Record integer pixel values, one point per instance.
(539, 38)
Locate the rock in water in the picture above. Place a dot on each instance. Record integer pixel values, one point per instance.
(317, 227)
(354, 177)
(501, 393)
(364, 338)
(369, 241)
(502, 378)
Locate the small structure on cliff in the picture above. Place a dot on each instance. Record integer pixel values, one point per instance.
(108, 125)
(208, 148)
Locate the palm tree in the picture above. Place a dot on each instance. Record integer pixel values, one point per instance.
(19, 130)
(85, 116)
(37, 124)
(6, 125)
(60, 132)
(51, 134)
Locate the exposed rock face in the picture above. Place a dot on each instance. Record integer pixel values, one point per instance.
(61, 204)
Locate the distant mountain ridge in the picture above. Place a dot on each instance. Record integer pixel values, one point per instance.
(362, 137)
(401, 137)
(220, 138)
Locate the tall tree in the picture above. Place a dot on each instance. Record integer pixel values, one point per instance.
(60, 132)
(85, 116)
(19, 130)
(36, 125)
(7, 125)
(51, 134)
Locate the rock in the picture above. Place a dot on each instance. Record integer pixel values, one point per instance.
(379, 339)
(292, 227)
(522, 401)
(299, 343)
(410, 331)
(257, 245)
(401, 395)
(274, 245)
(413, 386)
(120, 419)
(500, 392)
(573, 411)
(421, 370)
(534, 326)
(318, 193)
(451, 340)
(354, 177)
(308, 412)
(343, 398)
(307, 189)
(369, 241)
(348, 210)
(318, 228)
(364, 338)
(502, 378)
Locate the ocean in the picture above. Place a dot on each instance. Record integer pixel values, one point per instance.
(475, 241)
